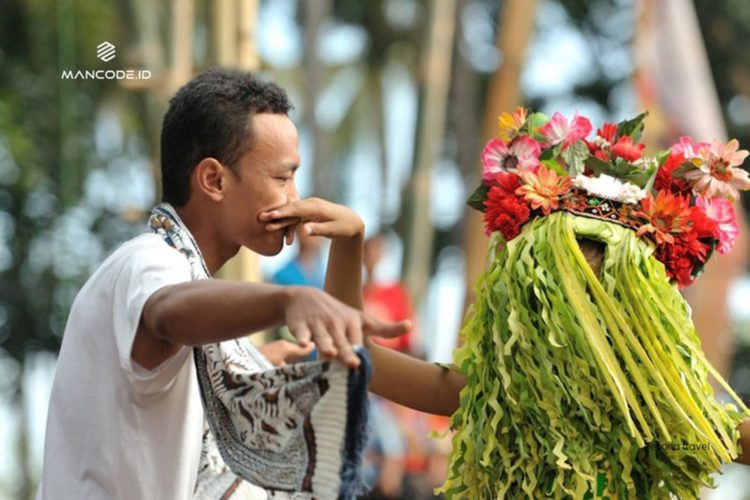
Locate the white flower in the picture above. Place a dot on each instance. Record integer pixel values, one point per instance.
(610, 188)
(630, 193)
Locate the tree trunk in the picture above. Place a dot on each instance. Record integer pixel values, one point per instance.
(503, 94)
(431, 129)
(313, 15)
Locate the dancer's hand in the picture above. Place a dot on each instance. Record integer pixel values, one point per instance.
(316, 217)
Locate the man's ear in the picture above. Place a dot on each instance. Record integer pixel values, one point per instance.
(210, 178)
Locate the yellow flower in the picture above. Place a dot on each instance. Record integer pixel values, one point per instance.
(509, 124)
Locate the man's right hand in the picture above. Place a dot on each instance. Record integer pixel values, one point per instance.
(312, 315)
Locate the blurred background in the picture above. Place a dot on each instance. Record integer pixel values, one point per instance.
(394, 100)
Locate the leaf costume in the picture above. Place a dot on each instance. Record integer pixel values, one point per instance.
(582, 385)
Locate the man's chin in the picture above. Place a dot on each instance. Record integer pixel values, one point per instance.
(269, 247)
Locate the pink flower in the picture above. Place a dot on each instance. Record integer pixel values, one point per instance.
(687, 147)
(522, 154)
(557, 130)
(716, 174)
(721, 211)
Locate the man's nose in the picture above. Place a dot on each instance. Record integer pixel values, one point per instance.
(292, 195)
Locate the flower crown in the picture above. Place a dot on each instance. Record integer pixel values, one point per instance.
(680, 199)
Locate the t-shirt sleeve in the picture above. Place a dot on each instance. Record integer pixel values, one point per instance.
(148, 269)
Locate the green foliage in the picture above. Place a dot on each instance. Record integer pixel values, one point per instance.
(476, 200)
(632, 127)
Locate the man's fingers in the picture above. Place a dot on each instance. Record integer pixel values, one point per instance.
(301, 332)
(308, 207)
(277, 224)
(385, 329)
(323, 340)
(289, 235)
(346, 353)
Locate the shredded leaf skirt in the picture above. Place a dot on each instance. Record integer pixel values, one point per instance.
(581, 385)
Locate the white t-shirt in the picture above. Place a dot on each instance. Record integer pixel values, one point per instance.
(116, 430)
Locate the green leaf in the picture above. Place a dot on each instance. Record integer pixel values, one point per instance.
(650, 183)
(620, 169)
(476, 200)
(536, 121)
(575, 156)
(597, 166)
(554, 165)
(633, 127)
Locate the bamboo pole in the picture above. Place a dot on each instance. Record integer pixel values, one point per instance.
(431, 131)
(503, 94)
(182, 42)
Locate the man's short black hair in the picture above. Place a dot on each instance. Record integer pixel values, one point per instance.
(210, 117)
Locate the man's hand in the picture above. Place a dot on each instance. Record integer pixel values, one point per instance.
(281, 352)
(334, 327)
(317, 217)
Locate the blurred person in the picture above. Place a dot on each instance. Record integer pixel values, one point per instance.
(389, 301)
(306, 268)
(418, 465)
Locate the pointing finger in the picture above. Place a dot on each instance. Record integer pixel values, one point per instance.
(372, 326)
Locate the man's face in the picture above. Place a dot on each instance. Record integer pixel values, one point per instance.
(266, 181)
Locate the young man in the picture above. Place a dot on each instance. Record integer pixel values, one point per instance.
(125, 417)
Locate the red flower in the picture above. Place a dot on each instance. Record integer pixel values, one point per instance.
(597, 151)
(678, 265)
(504, 213)
(507, 183)
(703, 226)
(625, 149)
(607, 132)
(687, 246)
(664, 178)
(682, 257)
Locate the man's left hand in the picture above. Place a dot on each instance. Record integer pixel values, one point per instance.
(316, 217)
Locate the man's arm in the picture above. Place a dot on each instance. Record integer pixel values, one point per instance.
(201, 312)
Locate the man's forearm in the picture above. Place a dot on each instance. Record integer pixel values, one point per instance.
(201, 312)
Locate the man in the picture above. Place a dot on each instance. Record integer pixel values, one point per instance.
(125, 417)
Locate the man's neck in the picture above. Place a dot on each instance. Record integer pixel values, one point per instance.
(215, 253)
